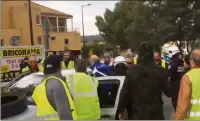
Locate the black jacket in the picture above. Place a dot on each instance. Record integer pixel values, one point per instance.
(176, 72)
(144, 86)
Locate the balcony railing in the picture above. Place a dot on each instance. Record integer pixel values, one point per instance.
(63, 29)
(59, 29)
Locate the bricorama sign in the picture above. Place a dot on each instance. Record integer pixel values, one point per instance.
(11, 57)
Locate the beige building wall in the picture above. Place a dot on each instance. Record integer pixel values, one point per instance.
(15, 22)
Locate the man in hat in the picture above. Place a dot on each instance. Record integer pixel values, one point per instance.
(52, 96)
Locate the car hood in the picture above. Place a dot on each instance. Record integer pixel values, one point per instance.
(34, 79)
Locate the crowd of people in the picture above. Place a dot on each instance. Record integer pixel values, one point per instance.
(147, 77)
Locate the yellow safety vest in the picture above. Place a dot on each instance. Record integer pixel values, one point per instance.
(70, 65)
(194, 110)
(84, 90)
(41, 69)
(44, 109)
(163, 63)
(135, 60)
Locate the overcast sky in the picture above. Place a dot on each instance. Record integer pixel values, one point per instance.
(74, 8)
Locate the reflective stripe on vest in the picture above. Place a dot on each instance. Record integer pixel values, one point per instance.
(88, 94)
(195, 101)
(194, 110)
(84, 91)
(194, 114)
(44, 108)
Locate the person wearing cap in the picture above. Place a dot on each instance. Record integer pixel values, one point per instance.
(84, 90)
(67, 62)
(32, 66)
(120, 66)
(188, 105)
(52, 96)
(175, 72)
(144, 86)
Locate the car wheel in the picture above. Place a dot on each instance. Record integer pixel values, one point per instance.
(12, 104)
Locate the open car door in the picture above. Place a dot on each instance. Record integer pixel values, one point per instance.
(108, 91)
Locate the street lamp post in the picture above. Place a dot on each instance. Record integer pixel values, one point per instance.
(83, 23)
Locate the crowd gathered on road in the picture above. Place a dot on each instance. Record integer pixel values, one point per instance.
(147, 77)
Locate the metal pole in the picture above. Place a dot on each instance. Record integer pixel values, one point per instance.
(83, 26)
(30, 22)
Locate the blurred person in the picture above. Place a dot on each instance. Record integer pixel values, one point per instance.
(32, 66)
(24, 62)
(84, 90)
(129, 60)
(187, 63)
(99, 69)
(52, 96)
(67, 60)
(120, 66)
(108, 61)
(175, 71)
(144, 86)
(158, 59)
(188, 106)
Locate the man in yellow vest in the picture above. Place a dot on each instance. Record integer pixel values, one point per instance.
(158, 60)
(32, 66)
(188, 106)
(84, 90)
(52, 96)
(67, 63)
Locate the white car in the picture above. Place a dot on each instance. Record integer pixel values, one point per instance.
(108, 104)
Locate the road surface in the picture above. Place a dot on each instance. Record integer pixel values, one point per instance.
(168, 108)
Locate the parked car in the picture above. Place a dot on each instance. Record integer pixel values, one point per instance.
(27, 82)
(14, 104)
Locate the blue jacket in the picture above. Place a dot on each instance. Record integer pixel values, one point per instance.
(102, 68)
(105, 69)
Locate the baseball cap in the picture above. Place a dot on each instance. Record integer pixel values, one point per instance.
(52, 64)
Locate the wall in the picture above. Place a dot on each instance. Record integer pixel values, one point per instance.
(59, 43)
(15, 18)
(8, 33)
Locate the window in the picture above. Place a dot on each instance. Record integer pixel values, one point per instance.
(66, 41)
(14, 41)
(53, 38)
(107, 92)
(39, 38)
(38, 20)
(2, 42)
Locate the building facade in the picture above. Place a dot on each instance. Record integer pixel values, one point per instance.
(50, 27)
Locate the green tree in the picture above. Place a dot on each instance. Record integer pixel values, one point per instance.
(132, 22)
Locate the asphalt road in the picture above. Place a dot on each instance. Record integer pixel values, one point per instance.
(168, 108)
